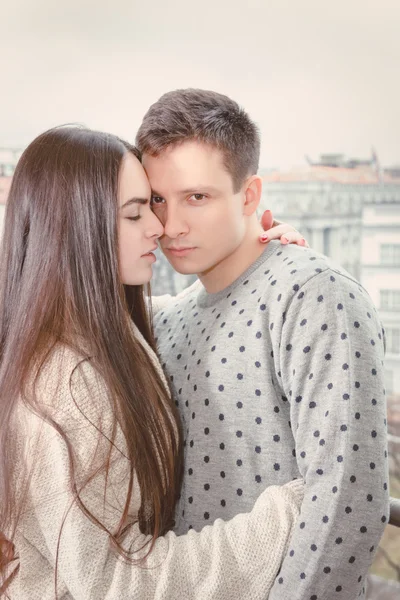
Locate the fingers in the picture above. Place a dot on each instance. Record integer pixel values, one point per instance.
(294, 237)
(267, 220)
(286, 234)
(275, 233)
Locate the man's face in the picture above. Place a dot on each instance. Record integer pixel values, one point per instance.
(193, 196)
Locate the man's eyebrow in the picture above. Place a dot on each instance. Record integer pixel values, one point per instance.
(135, 201)
(198, 189)
(195, 189)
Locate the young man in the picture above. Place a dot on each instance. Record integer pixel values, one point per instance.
(275, 359)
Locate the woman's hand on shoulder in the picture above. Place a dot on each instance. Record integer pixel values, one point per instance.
(275, 230)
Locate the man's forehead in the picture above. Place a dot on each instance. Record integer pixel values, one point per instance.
(187, 166)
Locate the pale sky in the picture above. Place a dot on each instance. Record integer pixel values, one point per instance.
(316, 76)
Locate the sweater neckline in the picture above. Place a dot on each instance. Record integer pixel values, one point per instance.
(206, 299)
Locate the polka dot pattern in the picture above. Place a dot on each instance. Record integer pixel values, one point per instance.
(291, 386)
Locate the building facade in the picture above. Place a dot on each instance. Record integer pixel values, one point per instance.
(380, 269)
(353, 216)
(5, 183)
(8, 160)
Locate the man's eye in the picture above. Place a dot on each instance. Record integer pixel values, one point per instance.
(198, 196)
(156, 201)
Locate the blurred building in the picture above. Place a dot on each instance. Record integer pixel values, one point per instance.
(324, 203)
(8, 160)
(380, 269)
(5, 183)
(350, 211)
(393, 417)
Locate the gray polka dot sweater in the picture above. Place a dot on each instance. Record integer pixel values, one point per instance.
(280, 376)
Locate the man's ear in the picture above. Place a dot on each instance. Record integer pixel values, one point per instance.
(252, 192)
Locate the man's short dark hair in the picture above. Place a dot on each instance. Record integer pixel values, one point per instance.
(207, 117)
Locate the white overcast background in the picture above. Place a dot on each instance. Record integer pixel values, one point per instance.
(316, 76)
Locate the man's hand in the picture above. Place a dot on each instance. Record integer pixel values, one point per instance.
(274, 230)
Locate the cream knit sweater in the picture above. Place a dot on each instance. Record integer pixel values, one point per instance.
(233, 560)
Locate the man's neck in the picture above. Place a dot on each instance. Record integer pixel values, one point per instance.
(221, 275)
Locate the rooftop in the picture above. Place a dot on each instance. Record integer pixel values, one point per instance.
(319, 173)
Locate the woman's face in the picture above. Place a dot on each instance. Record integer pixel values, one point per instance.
(139, 228)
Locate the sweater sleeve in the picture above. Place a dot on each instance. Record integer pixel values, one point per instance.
(331, 368)
(236, 559)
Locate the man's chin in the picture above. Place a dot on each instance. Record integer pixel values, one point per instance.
(182, 265)
(182, 268)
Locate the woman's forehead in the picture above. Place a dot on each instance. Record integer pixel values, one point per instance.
(133, 180)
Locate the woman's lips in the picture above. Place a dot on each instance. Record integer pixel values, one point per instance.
(150, 255)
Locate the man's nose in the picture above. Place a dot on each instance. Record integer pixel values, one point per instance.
(174, 223)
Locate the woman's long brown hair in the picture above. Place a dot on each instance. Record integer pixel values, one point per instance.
(59, 282)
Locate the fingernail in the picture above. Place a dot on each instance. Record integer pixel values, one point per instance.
(284, 240)
(302, 242)
(264, 237)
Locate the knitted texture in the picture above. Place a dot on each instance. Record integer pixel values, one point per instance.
(237, 559)
(280, 375)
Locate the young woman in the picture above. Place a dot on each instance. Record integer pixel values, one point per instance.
(90, 442)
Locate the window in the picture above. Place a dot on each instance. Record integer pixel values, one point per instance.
(392, 340)
(390, 299)
(390, 254)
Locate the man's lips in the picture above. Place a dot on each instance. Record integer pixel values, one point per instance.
(178, 251)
